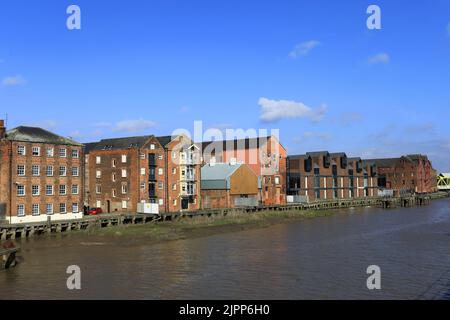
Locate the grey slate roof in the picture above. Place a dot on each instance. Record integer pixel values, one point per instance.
(164, 140)
(38, 135)
(120, 143)
(217, 177)
(383, 163)
(88, 147)
(338, 154)
(236, 144)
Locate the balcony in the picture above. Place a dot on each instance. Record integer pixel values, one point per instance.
(188, 190)
(188, 177)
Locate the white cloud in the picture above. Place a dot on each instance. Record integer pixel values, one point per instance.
(379, 58)
(303, 48)
(13, 81)
(274, 110)
(308, 135)
(134, 125)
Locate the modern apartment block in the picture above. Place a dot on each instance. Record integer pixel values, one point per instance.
(407, 174)
(324, 176)
(265, 156)
(41, 176)
(145, 169)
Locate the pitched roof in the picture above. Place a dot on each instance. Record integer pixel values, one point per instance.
(383, 163)
(164, 140)
(121, 143)
(217, 176)
(88, 147)
(317, 153)
(236, 144)
(338, 154)
(38, 135)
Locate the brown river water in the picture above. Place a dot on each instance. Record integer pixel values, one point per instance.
(320, 258)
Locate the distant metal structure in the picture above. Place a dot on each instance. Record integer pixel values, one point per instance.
(443, 182)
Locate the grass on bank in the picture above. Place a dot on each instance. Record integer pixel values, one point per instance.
(203, 226)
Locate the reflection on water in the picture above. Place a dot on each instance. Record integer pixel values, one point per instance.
(321, 258)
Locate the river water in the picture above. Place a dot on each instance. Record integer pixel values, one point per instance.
(320, 258)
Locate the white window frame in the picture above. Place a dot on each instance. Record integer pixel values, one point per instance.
(63, 171)
(33, 212)
(21, 150)
(21, 187)
(124, 173)
(98, 160)
(124, 204)
(62, 187)
(75, 153)
(50, 152)
(62, 204)
(75, 188)
(47, 171)
(36, 151)
(21, 170)
(47, 211)
(35, 190)
(75, 171)
(62, 152)
(124, 158)
(142, 171)
(124, 189)
(98, 174)
(49, 187)
(75, 207)
(21, 210)
(160, 171)
(35, 166)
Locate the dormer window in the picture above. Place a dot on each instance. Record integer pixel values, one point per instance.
(308, 164)
(343, 162)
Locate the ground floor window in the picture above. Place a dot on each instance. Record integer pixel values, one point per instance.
(20, 210)
(62, 208)
(124, 204)
(49, 208)
(98, 204)
(74, 207)
(35, 210)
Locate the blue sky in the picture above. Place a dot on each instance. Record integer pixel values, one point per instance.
(309, 68)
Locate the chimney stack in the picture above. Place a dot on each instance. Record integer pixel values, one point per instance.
(2, 129)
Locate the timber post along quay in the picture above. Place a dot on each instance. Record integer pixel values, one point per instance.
(24, 230)
(8, 257)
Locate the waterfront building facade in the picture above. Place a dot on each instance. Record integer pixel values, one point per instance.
(265, 156)
(406, 175)
(41, 176)
(327, 176)
(226, 185)
(145, 169)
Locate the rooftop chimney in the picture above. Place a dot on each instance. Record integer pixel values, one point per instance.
(2, 129)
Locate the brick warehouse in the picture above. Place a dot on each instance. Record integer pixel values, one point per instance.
(265, 156)
(323, 175)
(407, 174)
(126, 171)
(227, 185)
(41, 175)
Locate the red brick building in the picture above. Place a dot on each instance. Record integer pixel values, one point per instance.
(265, 156)
(41, 176)
(123, 172)
(324, 176)
(406, 175)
